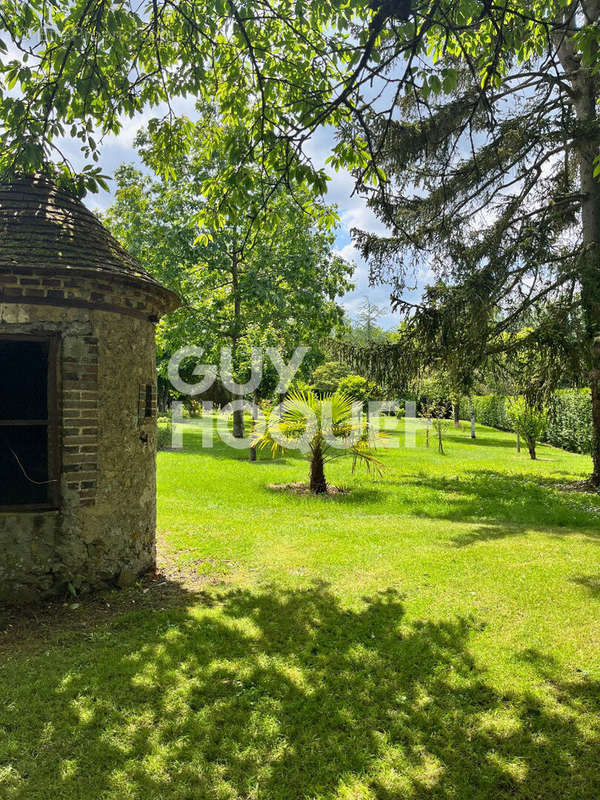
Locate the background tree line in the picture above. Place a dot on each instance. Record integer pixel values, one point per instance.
(471, 126)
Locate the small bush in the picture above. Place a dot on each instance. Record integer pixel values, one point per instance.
(192, 409)
(392, 408)
(164, 434)
(528, 421)
(298, 385)
(359, 389)
(327, 377)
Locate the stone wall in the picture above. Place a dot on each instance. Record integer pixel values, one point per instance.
(104, 528)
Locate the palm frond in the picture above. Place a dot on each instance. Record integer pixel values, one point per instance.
(330, 424)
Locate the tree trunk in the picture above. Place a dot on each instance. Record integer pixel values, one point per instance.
(253, 454)
(238, 422)
(532, 453)
(456, 412)
(518, 442)
(590, 291)
(586, 143)
(595, 384)
(238, 414)
(472, 417)
(318, 484)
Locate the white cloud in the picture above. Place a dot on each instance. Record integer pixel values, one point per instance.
(353, 209)
(348, 252)
(380, 295)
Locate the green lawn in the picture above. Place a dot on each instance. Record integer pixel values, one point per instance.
(433, 634)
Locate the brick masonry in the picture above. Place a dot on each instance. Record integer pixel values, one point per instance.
(78, 363)
(76, 289)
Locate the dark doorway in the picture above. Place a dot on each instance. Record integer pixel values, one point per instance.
(27, 423)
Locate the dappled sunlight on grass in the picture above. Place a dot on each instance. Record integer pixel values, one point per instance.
(291, 694)
(521, 498)
(432, 634)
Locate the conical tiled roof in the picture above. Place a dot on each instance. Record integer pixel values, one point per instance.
(46, 229)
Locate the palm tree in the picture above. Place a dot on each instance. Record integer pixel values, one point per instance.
(325, 428)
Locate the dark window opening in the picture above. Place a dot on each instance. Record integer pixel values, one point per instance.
(28, 474)
(149, 404)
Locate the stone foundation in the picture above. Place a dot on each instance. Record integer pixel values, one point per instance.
(103, 529)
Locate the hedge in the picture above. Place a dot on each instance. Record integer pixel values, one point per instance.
(490, 410)
(569, 422)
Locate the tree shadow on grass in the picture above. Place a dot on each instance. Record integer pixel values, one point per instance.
(590, 582)
(486, 533)
(505, 504)
(544, 451)
(350, 496)
(222, 452)
(288, 695)
(484, 441)
(357, 496)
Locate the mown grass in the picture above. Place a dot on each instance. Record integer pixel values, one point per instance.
(431, 634)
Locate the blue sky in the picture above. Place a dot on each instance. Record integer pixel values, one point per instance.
(352, 209)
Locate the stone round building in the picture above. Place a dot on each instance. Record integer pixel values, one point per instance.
(77, 398)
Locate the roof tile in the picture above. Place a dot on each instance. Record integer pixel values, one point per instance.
(45, 228)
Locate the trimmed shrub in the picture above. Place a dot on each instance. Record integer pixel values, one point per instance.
(298, 385)
(359, 389)
(570, 420)
(490, 410)
(569, 423)
(326, 378)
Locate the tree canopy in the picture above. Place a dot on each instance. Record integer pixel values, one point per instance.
(281, 69)
(496, 193)
(267, 278)
(474, 120)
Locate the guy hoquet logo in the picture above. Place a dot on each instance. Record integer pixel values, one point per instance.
(376, 419)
